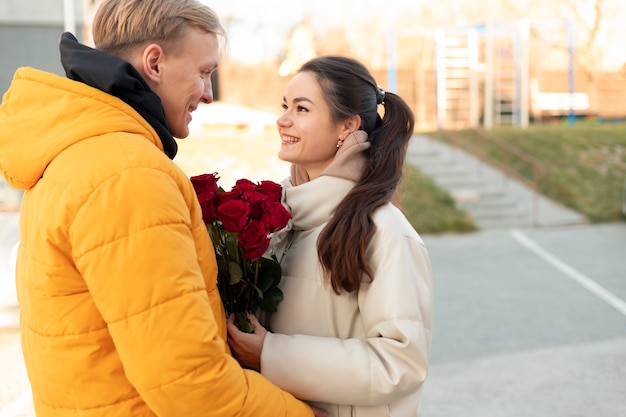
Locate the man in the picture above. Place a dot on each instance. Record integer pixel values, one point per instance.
(116, 273)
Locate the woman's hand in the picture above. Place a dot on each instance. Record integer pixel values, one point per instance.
(246, 347)
(318, 412)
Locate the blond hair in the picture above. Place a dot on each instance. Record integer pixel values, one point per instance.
(120, 26)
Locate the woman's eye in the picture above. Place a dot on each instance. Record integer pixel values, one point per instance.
(300, 108)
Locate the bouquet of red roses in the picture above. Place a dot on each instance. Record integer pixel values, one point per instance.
(240, 223)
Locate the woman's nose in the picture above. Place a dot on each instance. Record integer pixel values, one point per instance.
(283, 120)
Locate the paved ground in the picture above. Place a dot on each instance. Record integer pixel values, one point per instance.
(528, 322)
(15, 400)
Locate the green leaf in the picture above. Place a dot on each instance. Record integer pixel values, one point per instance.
(276, 294)
(243, 323)
(232, 246)
(257, 289)
(269, 302)
(265, 282)
(235, 272)
(269, 273)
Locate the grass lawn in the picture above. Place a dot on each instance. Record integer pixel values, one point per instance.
(428, 208)
(585, 163)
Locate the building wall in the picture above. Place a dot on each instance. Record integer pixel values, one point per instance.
(29, 35)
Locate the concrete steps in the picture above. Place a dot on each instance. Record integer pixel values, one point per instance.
(490, 198)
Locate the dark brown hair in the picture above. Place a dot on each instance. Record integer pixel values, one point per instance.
(349, 89)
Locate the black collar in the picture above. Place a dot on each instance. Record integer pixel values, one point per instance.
(118, 78)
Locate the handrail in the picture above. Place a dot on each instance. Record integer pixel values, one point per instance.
(538, 167)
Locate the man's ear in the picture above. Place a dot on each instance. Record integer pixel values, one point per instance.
(151, 61)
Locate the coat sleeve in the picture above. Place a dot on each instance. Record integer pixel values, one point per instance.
(391, 361)
(133, 243)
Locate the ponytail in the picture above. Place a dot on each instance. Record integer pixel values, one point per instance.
(346, 263)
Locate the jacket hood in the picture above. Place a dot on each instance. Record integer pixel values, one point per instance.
(42, 114)
(118, 78)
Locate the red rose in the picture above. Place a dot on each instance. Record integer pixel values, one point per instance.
(244, 185)
(233, 214)
(205, 183)
(206, 189)
(253, 240)
(255, 199)
(270, 189)
(208, 206)
(227, 196)
(275, 215)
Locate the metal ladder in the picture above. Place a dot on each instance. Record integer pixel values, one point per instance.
(457, 80)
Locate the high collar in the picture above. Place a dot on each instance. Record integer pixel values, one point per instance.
(118, 78)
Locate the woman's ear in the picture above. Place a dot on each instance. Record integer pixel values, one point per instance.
(350, 125)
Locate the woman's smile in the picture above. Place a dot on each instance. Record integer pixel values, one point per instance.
(289, 139)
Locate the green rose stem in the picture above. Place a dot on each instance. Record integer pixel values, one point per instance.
(242, 321)
(230, 273)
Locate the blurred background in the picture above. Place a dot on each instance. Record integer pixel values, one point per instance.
(546, 79)
(459, 63)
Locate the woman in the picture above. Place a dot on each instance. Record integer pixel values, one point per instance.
(353, 332)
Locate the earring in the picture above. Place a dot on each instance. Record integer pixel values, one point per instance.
(340, 143)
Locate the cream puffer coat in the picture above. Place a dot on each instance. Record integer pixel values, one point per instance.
(362, 354)
(120, 315)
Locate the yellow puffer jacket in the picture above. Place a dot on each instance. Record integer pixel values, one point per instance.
(116, 273)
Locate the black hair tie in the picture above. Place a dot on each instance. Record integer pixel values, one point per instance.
(380, 95)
